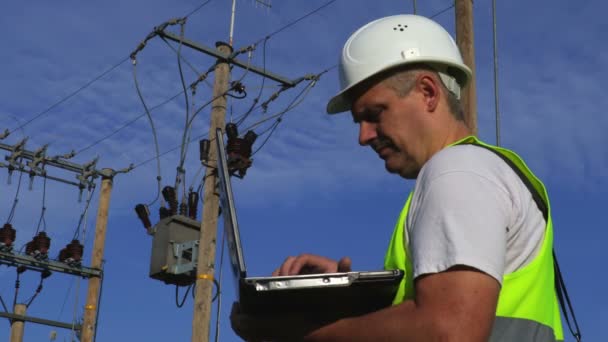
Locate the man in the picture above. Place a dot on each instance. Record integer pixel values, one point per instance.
(474, 238)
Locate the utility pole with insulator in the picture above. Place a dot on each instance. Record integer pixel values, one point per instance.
(201, 320)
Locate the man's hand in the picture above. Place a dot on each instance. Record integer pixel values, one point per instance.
(308, 264)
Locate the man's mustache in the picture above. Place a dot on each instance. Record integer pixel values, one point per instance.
(381, 143)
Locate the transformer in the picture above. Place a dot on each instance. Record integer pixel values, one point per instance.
(175, 250)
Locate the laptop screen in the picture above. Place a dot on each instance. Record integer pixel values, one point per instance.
(231, 227)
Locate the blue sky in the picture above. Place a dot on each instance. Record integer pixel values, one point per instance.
(311, 188)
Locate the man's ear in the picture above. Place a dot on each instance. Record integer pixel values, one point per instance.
(429, 88)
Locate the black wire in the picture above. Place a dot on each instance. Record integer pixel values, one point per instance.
(36, 293)
(184, 147)
(128, 123)
(3, 304)
(15, 201)
(41, 220)
(289, 107)
(156, 148)
(179, 305)
(255, 101)
(65, 299)
(86, 85)
(274, 127)
(187, 63)
(197, 8)
(562, 293)
(84, 213)
(298, 20)
(443, 11)
(17, 285)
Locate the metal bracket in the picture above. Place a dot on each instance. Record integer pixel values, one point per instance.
(186, 254)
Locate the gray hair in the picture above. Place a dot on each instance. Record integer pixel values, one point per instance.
(403, 80)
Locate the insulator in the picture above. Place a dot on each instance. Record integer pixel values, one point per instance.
(75, 250)
(42, 243)
(30, 247)
(144, 215)
(63, 254)
(183, 209)
(203, 147)
(192, 204)
(7, 234)
(240, 147)
(163, 212)
(171, 197)
(232, 131)
(237, 87)
(250, 137)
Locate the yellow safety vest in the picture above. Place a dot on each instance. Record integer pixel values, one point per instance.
(527, 308)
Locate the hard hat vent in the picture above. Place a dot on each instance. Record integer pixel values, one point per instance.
(399, 27)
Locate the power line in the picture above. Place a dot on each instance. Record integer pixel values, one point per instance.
(128, 123)
(443, 11)
(298, 20)
(197, 8)
(72, 94)
(292, 105)
(89, 83)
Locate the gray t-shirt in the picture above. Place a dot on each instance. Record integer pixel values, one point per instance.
(470, 208)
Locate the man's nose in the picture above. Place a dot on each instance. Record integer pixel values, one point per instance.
(367, 133)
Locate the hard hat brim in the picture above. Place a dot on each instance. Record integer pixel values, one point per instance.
(341, 102)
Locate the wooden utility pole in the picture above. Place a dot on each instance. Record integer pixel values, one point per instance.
(17, 326)
(466, 43)
(90, 308)
(206, 250)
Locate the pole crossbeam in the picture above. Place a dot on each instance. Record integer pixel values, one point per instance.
(31, 263)
(226, 57)
(23, 318)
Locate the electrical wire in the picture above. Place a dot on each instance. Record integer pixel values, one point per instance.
(443, 11)
(72, 94)
(177, 302)
(43, 211)
(84, 214)
(184, 148)
(186, 61)
(16, 200)
(289, 107)
(3, 304)
(65, 299)
(36, 293)
(495, 45)
(128, 123)
(297, 20)
(156, 148)
(255, 101)
(197, 8)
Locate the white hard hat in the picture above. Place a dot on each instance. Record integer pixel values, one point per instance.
(393, 41)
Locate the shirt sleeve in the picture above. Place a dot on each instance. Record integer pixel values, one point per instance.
(459, 218)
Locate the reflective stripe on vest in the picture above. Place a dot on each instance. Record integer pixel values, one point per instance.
(527, 305)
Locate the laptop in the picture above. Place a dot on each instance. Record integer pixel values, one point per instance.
(329, 295)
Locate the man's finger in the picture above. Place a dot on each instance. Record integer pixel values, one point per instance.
(344, 265)
(284, 269)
